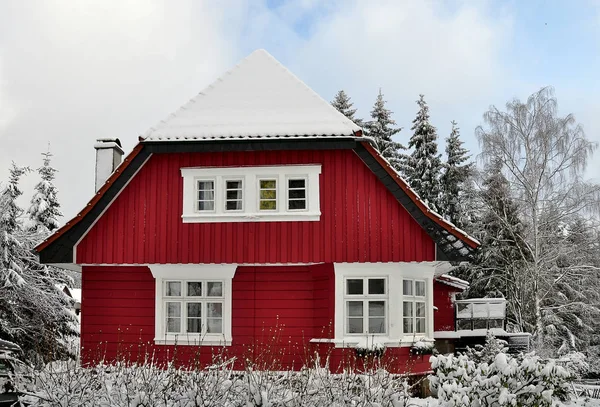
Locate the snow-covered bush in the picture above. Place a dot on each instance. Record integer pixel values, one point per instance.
(487, 352)
(67, 384)
(507, 381)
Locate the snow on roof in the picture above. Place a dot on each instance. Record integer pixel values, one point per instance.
(258, 98)
(453, 281)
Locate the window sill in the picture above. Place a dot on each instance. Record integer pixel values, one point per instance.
(353, 342)
(252, 217)
(193, 341)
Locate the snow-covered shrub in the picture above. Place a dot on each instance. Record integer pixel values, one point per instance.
(422, 348)
(576, 363)
(487, 352)
(507, 381)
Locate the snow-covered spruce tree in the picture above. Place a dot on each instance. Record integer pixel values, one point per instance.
(44, 210)
(457, 174)
(497, 267)
(423, 166)
(343, 104)
(544, 158)
(381, 130)
(33, 311)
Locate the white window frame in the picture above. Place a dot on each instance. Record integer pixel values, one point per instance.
(414, 299)
(233, 179)
(185, 299)
(287, 192)
(365, 298)
(250, 177)
(192, 272)
(197, 190)
(278, 197)
(395, 273)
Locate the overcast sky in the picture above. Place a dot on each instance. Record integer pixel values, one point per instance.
(75, 71)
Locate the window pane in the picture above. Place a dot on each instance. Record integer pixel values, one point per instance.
(194, 325)
(173, 325)
(233, 184)
(297, 183)
(354, 286)
(420, 309)
(480, 324)
(407, 309)
(420, 328)
(420, 288)
(268, 194)
(206, 185)
(407, 326)
(233, 205)
(297, 204)
(194, 309)
(376, 325)
(407, 287)
(355, 308)
(495, 323)
(236, 194)
(214, 325)
(214, 289)
(206, 205)
(194, 289)
(377, 286)
(214, 310)
(297, 193)
(173, 309)
(376, 308)
(271, 184)
(173, 289)
(206, 195)
(268, 205)
(355, 326)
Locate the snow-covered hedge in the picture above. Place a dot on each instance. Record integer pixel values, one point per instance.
(506, 381)
(66, 385)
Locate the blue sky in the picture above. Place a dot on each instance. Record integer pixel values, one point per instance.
(71, 72)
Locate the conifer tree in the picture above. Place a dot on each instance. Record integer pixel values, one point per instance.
(343, 104)
(381, 130)
(44, 209)
(457, 172)
(422, 167)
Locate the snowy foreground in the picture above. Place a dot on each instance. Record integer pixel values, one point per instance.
(476, 379)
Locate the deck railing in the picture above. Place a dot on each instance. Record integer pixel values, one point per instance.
(480, 313)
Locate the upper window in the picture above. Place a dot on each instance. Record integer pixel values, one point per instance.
(251, 194)
(366, 306)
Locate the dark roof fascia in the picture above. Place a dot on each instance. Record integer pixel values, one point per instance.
(206, 146)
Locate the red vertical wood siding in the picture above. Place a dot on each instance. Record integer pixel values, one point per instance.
(360, 220)
(443, 317)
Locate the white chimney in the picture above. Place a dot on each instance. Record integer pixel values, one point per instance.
(108, 157)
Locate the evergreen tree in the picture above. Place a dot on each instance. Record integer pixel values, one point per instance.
(10, 270)
(457, 172)
(422, 168)
(381, 130)
(33, 311)
(343, 104)
(44, 208)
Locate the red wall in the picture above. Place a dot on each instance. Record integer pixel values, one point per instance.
(361, 221)
(443, 318)
(275, 312)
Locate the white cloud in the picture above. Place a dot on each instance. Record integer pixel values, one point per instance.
(77, 71)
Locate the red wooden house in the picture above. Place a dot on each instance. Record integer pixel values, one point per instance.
(257, 215)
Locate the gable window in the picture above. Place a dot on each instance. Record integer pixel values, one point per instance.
(193, 307)
(193, 304)
(251, 194)
(413, 307)
(234, 195)
(206, 195)
(268, 195)
(296, 194)
(366, 305)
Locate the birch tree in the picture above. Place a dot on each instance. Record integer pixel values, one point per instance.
(544, 157)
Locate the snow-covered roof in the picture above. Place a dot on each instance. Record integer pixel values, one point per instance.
(258, 98)
(453, 281)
